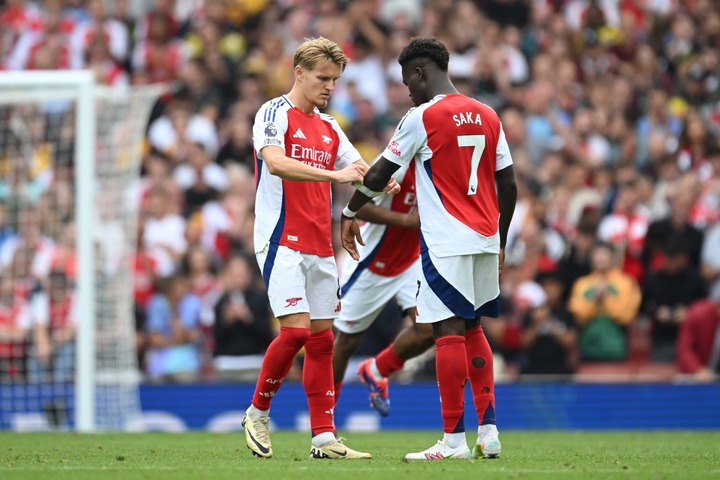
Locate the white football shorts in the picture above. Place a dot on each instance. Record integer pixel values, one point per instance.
(465, 286)
(364, 294)
(300, 282)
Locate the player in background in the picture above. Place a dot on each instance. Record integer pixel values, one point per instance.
(466, 198)
(389, 267)
(299, 152)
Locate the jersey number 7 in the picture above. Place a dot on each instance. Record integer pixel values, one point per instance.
(478, 144)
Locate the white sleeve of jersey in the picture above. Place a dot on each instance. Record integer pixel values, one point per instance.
(347, 153)
(270, 126)
(503, 159)
(407, 139)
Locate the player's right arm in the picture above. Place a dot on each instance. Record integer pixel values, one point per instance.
(287, 168)
(271, 124)
(383, 216)
(400, 152)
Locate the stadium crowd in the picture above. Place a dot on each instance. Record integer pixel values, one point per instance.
(611, 109)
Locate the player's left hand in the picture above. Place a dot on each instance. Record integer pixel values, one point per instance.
(501, 261)
(392, 187)
(349, 231)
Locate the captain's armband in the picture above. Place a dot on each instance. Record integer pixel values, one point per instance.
(366, 191)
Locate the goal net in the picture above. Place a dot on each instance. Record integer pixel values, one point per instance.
(69, 173)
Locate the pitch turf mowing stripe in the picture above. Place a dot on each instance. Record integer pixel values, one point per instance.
(526, 455)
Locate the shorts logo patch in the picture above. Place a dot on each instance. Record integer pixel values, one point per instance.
(292, 302)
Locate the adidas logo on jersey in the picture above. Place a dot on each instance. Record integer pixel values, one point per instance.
(299, 134)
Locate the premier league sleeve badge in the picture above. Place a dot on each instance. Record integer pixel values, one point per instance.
(270, 130)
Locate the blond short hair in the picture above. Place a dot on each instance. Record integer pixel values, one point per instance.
(315, 51)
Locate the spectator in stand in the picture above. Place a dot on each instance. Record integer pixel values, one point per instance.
(207, 99)
(15, 18)
(158, 55)
(164, 234)
(179, 126)
(699, 342)
(365, 73)
(269, 62)
(15, 324)
(17, 185)
(242, 328)
(45, 31)
(200, 178)
(122, 12)
(675, 226)
(211, 224)
(164, 8)
(696, 141)
(588, 145)
(549, 340)
(211, 28)
(99, 24)
(64, 254)
(658, 120)
(25, 283)
(107, 70)
(144, 279)
(238, 149)
(199, 266)
(627, 225)
(575, 263)
(668, 293)
(174, 335)
(604, 304)
(250, 91)
(53, 334)
(29, 236)
(155, 172)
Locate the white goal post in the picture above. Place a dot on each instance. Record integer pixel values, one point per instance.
(100, 115)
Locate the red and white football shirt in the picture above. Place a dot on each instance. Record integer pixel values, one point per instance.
(390, 249)
(291, 213)
(458, 144)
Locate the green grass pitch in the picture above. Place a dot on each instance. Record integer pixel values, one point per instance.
(526, 455)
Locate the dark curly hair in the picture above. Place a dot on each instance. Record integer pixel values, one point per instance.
(428, 48)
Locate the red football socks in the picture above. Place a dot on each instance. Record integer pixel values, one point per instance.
(277, 362)
(318, 381)
(480, 371)
(452, 374)
(388, 362)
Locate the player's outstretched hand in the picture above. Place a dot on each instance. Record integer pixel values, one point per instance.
(354, 172)
(392, 187)
(349, 231)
